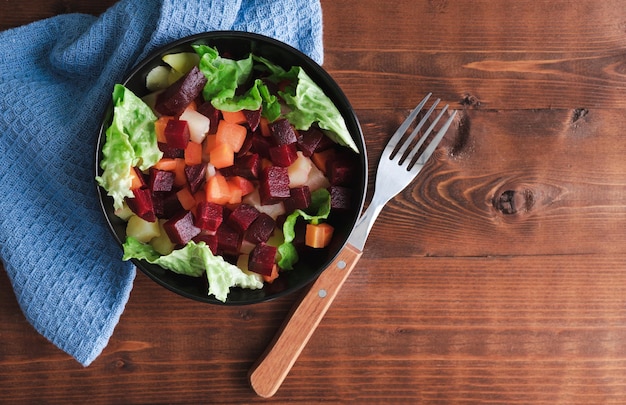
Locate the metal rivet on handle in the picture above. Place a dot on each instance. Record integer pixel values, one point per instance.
(341, 264)
(322, 293)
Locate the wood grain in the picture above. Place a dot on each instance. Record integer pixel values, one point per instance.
(497, 277)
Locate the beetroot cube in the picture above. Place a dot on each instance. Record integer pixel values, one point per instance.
(309, 140)
(284, 155)
(209, 216)
(273, 185)
(160, 180)
(299, 198)
(282, 132)
(177, 134)
(248, 166)
(169, 152)
(261, 145)
(341, 170)
(243, 216)
(166, 204)
(228, 239)
(261, 229)
(141, 204)
(213, 114)
(210, 240)
(180, 228)
(340, 198)
(196, 176)
(180, 94)
(253, 117)
(262, 259)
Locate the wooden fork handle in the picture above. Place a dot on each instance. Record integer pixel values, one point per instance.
(272, 368)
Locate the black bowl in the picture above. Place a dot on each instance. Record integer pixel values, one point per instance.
(238, 45)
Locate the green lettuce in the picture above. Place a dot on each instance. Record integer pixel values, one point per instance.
(320, 208)
(194, 259)
(309, 104)
(130, 142)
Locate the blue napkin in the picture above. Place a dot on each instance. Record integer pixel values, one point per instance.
(56, 78)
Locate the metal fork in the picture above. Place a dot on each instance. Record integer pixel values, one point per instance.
(397, 168)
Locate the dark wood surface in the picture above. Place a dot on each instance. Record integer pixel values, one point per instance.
(498, 276)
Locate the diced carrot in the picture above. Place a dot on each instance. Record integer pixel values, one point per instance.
(236, 117)
(318, 236)
(209, 143)
(235, 193)
(180, 179)
(186, 199)
(244, 184)
(159, 128)
(232, 134)
(193, 154)
(273, 276)
(217, 190)
(321, 158)
(135, 181)
(200, 196)
(222, 155)
(167, 164)
(264, 124)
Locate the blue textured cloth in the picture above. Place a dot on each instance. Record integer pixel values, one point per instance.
(56, 78)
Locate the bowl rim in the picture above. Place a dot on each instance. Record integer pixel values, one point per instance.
(338, 95)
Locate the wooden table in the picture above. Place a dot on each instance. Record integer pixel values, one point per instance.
(497, 277)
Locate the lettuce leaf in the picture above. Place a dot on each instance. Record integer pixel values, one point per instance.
(320, 206)
(130, 141)
(194, 259)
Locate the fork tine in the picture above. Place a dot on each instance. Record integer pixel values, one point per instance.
(413, 135)
(395, 139)
(421, 161)
(421, 141)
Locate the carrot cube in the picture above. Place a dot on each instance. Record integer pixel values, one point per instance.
(234, 117)
(159, 128)
(222, 155)
(217, 190)
(193, 154)
(166, 164)
(318, 236)
(180, 178)
(232, 134)
(186, 199)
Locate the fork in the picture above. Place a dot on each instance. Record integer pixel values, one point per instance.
(397, 168)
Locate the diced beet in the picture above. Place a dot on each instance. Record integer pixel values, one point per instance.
(213, 114)
(160, 180)
(179, 95)
(284, 155)
(166, 204)
(273, 184)
(242, 216)
(180, 228)
(261, 229)
(299, 198)
(248, 166)
(141, 204)
(340, 198)
(308, 140)
(261, 145)
(169, 152)
(210, 240)
(177, 134)
(209, 216)
(262, 259)
(196, 176)
(283, 132)
(341, 170)
(228, 239)
(253, 117)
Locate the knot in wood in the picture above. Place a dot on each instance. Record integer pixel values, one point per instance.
(511, 202)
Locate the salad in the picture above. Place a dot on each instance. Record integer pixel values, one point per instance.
(228, 169)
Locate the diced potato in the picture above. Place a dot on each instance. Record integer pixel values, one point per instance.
(299, 170)
(162, 243)
(158, 78)
(141, 229)
(198, 124)
(182, 62)
(124, 212)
